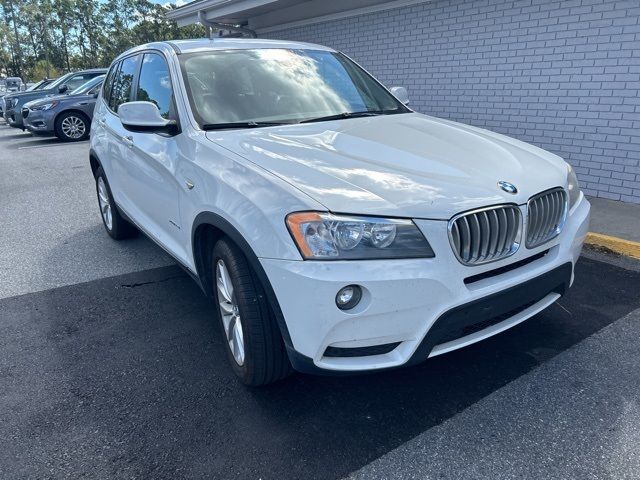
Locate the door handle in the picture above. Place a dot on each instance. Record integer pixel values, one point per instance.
(128, 140)
(101, 120)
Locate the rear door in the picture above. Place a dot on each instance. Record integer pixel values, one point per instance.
(119, 91)
(102, 138)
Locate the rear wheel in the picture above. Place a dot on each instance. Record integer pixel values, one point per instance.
(251, 335)
(114, 223)
(72, 127)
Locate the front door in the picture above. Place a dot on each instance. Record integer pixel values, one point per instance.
(153, 159)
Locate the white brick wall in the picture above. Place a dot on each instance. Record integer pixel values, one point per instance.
(561, 74)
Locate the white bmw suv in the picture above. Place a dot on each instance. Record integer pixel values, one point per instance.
(337, 230)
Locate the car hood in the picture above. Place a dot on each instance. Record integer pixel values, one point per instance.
(59, 98)
(29, 96)
(407, 165)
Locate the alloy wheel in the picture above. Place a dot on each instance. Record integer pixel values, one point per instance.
(73, 127)
(105, 204)
(230, 312)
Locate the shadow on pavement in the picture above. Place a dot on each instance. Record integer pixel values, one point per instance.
(18, 135)
(127, 376)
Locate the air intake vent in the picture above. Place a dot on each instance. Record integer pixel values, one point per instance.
(546, 213)
(485, 235)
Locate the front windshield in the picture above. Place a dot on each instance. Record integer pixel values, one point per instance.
(86, 86)
(279, 86)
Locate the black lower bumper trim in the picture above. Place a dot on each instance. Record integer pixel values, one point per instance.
(484, 312)
(360, 351)
(470, 317)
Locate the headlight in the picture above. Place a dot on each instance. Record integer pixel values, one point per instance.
(12, 102)
(44, 106)
(324, 236)
(574, 188)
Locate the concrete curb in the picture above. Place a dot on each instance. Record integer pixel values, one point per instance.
(617, 245)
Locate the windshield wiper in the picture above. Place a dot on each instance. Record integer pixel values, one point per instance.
(220, 126)
(339, 116)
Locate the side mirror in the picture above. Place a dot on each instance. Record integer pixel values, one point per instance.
(144, 117)
(401, 94)
(62, 88)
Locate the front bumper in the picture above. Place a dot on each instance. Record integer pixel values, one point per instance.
(13, 118)
(414, 309)
(40, 122)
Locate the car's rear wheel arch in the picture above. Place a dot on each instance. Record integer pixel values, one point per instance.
(209, 227)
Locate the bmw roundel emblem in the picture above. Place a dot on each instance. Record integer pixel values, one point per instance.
(508, 187)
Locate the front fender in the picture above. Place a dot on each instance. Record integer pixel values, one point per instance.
(247, 197)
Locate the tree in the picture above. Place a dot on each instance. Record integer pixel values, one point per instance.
(47, 37)
(9, 15)
(43, 69)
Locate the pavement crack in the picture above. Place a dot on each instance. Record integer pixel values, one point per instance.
(563, 308)
(141, 284)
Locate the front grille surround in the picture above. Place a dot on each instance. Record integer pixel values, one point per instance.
(486, 235)
(546, 216)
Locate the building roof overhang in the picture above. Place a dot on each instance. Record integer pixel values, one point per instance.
(269, 15)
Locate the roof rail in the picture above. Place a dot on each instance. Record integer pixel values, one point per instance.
(223, 26)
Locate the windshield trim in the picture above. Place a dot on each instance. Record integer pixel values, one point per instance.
(401, 107)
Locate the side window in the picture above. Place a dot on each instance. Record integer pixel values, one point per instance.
(123, 82)
(94, 89)
(114, 87)
(77, 80)
(154, 84)
(108, 82)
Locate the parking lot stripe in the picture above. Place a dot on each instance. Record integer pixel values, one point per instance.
(614, 244)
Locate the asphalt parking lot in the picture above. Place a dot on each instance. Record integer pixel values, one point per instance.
(111, 366)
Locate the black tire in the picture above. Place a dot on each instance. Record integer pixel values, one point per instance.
(120, 228)
(77, 118)
(265, 356)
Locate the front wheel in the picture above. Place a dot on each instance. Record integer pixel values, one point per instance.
(251, 335)
(72, 127)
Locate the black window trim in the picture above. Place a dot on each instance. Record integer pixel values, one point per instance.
(107, 79)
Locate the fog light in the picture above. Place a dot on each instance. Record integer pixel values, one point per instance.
(348, 297)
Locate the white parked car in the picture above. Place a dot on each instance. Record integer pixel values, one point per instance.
(337, 230)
